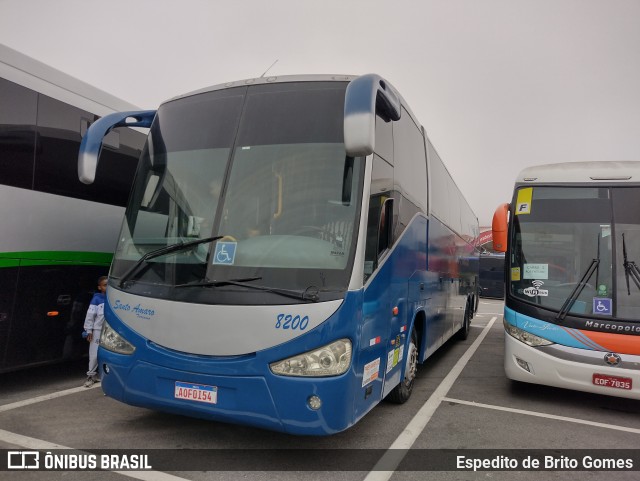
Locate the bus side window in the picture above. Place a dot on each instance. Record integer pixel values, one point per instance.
(385, 228)
(381, 187)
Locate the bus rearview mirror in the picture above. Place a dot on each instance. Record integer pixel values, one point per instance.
(92, 141)
(499, 228)
(365, 97)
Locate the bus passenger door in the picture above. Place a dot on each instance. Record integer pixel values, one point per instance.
(8, 282)
(376, 311)
(38, 325)
(385, 299)
(47, 323)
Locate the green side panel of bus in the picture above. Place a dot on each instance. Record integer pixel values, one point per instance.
(43, 258)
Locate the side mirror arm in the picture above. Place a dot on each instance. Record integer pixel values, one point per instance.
(92, 140)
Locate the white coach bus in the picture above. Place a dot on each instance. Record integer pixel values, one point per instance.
(572, 243)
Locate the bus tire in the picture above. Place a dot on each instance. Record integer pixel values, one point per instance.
(463, 333)
(402, 392)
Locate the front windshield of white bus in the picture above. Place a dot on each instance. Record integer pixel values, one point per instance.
(264, 169)
(566, 236)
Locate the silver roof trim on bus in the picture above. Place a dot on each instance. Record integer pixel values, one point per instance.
(269, 80)
(285, 79)
(35, 75)
(289, 78)
(582, 172)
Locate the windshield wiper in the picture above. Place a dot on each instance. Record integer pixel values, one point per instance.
(177, 247)
(630, 268)
(309, 294)
(208, 283)
(568, 303)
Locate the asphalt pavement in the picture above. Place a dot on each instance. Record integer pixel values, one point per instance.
(462, 406)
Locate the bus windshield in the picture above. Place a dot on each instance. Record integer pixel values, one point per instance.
(564, 237)
(262, 167)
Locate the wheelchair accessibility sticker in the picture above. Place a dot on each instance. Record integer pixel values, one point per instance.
(225, 253)
(602, 306)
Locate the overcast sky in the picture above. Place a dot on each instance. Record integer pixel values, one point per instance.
(498, 84)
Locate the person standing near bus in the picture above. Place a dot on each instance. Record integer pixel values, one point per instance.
(92, 326)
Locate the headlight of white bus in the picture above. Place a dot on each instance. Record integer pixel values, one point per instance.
(524, 336)
(112, 341)
(330, 360)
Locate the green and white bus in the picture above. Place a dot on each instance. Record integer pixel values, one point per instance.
(58, 235)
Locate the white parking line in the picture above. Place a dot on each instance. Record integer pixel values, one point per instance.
(543, 415)
(45, 397)
(38, 444)
(393, 456)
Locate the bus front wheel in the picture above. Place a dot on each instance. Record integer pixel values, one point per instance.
(402, 392)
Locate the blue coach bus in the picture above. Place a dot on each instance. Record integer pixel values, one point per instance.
(292, 249)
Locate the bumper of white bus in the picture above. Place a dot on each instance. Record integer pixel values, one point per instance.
(570, 368)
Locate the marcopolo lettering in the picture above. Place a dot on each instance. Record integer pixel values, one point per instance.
(612, 326)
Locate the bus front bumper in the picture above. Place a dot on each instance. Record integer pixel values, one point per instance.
(572, 368)
(262, 400)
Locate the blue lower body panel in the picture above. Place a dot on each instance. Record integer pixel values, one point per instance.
(153, 387)
(270, 402)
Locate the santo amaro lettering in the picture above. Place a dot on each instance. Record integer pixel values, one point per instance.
(139, 310)
(610, 326)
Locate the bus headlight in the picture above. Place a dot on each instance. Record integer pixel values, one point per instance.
(330, 360)
(112, 341)
(524, 336)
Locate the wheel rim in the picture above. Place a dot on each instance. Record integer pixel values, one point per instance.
(412, 364)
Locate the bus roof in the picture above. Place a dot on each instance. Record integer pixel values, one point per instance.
(289, 78)
(581, 172)
(270, 80)
(35, 75)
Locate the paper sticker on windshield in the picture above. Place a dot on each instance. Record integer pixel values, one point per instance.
(606, 230)
(515, 274)
(225, 253)
(536, 271)
(523, 202)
